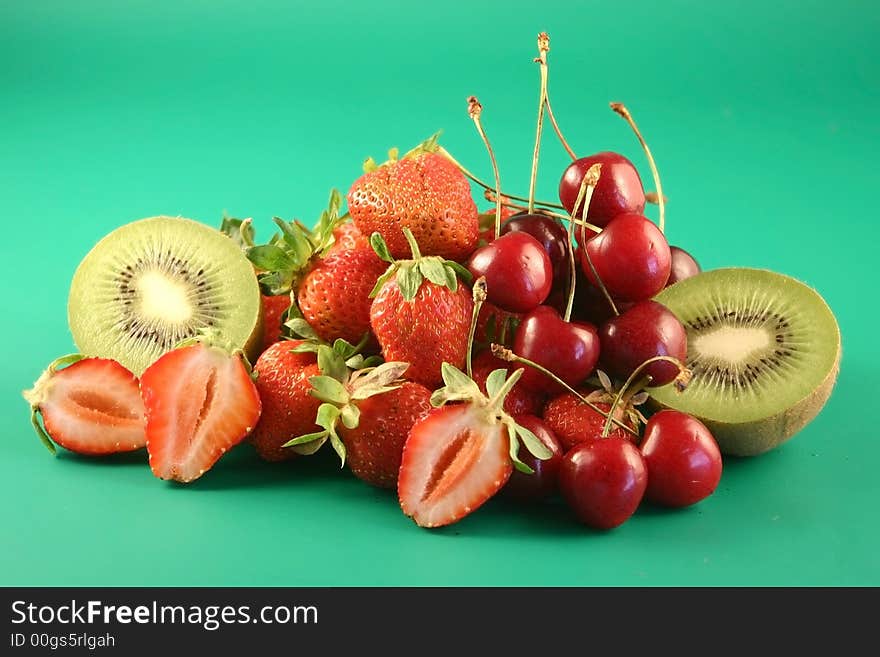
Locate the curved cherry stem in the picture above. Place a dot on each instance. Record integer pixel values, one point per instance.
(557, 130)
(543, 47)
(585, 195)
(478, 294)
(621, 109)
(502, 352)
(644, 381)
(475, 109)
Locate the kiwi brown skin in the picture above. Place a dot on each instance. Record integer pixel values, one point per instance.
(760, 436)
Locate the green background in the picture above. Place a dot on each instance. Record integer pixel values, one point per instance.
(764, 122)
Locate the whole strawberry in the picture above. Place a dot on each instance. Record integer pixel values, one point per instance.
(274, 308)
(421, 314)
(334, 297)
(288, 408)
(423, 191)
(366, 415)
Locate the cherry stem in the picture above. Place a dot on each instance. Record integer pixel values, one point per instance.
(478, 294)
(585, 195)
(543, 47)
(502, 352)
(490, 196)
(468, 174)
(557, 130)
(654, 198)
(643, 381)
(621, 109)
(475, 109)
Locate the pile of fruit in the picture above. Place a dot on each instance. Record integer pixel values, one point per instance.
(534, 349)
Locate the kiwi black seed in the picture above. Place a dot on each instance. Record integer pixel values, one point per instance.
(764, 350)
(154, 282)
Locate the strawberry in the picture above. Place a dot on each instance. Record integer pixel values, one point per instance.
(460, 455)
(274, 308)
(520, 400)
(288, 408)
(92, 406)
(334, 296)
(575, 422)
(486, 221)
(366, 416)
(423, 191)
(420, 314)
(200, 402)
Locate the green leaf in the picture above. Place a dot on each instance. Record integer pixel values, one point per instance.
(380, 247)
(495, 382)
(296, 239)
(372, 361)
(276, 283)
(433, 270)
(327, 416)
(409, 279)
(328, 389)
(513, 446)
(309, 448)
(350, 416)
(41, 431)
(305, 348)
(270, 258)
(64, 361)
(338, 446)
(384, 278)
(344, 349)
(330, 364)
(241, 231)
(461, 270)
(306, 438)
(301, 328)
(538, 449)
(451, 278)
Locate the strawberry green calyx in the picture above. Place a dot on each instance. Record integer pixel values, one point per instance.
(430, 145)
(39, 393)
(340, 387)
(285, 258)
(410, 274)
(240, 231)
(310, 342)
(459, 387)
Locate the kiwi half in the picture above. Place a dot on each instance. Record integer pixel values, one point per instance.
(154, 282)
(764, 350)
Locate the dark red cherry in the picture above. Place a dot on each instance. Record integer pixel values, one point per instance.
(568, 349)
(518, 271)
(544, 481)
(646, 330)
(683, 265)
(603, 481)
(631, 257)
(684, 462)
(619, 189)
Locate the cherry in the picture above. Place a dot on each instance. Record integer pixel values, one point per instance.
(631, 257)
(518, 271)
(646, 330)
(544, 481)
(603, 481)
(683, 265)
(619, 189)
(568, 349)
(684, 462)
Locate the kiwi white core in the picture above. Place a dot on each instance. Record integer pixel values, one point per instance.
(732, 344)
(164, 299)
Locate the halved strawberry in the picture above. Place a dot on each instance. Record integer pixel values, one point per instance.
(460, 455)
(200, 402)
(92, 406)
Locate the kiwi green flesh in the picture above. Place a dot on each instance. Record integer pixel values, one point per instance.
(154, 282)
(764, 349)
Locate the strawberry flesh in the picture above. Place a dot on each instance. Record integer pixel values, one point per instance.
(200, 402)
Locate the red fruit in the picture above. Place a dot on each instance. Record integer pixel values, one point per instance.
(683, 266)
(648, 329)
(200, 402)
(603, 481)
(375, 447)
(520, 400)
(425, 332)
(274, 308)
(486, 221)
(288, 408)
(496, 325)
(574, 422)
(619, 189)
(631, 257)
(424, 192)
(90, 407)
(334, 297)
(454, 460)
(518, 271)
(544, 481)
(568, 349)
(684, 462)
